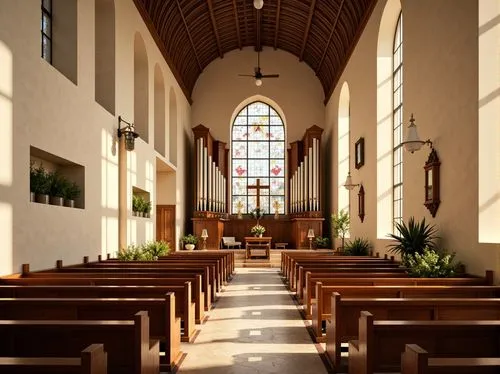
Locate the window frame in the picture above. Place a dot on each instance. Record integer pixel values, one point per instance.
(245, 197)
(397, 124)
(48, 14)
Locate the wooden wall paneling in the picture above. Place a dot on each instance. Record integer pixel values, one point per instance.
(215, 230)
(300, 227)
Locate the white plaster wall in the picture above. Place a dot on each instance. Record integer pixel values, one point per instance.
(52, 113)
(441, 89)
(219, 90)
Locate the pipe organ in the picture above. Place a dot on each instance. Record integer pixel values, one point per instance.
(305, 178)
(210, 186)
(210, 174)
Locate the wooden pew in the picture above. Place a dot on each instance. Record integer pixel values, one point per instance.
(127, 343)
(145, 285)
(183, 307)
(46, 277)
(127, 269)
(343, 324)
(321, 306)
(380, 343)
(416, 360)
(378, 279)
(302, 271)
(163, 324)
(93, 360)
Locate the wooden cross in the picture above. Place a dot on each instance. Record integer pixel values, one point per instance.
(258, 187)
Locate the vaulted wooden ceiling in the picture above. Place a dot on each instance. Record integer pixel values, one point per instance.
(193, 33)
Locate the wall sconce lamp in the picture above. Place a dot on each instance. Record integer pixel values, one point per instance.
(310, 235)
(348, 182)
(412, 142)
(128, 132)
(204, 236)
(258, 4)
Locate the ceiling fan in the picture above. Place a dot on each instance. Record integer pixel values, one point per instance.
(258, 74)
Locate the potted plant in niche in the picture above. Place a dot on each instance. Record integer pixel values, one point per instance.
(57, 187)
(39, 184)
(146, 208)
(71, 192)
(258, 230)
(189, 241)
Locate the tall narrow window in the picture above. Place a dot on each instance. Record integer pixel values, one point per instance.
(397, 119)
(46, 30)
(258, 152)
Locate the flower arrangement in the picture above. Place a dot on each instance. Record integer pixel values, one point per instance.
(258, 230)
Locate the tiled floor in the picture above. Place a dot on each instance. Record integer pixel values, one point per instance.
(255, 327)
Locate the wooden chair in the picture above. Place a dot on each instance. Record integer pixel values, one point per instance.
(230, 242)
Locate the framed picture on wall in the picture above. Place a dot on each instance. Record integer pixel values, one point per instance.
(359, 153)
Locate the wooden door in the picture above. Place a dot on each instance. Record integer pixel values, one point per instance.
(165, 224)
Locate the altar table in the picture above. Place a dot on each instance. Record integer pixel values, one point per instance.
(258, 243)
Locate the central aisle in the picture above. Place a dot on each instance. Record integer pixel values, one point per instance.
(255, 327)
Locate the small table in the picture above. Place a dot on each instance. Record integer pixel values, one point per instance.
(262, 243)
(280, 245)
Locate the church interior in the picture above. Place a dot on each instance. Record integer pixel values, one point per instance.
(220, 120)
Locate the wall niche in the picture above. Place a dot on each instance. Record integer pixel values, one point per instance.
(55, 180)
(141, 203)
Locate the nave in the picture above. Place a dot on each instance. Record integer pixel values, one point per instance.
(255, 327)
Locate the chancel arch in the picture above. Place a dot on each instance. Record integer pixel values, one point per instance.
(141, 88)
(258, 150)
(385, 150)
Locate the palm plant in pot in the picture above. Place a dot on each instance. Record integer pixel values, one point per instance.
(357, 247)
(412, 238)
(189, 241)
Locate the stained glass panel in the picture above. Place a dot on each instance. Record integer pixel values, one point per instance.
(258, 132)
(277, 186)
(240, 133)
(239, 186)
(277, 133)
(239, 168)
(277, 150)
(239, 150)
(258, 151)
(258, 168)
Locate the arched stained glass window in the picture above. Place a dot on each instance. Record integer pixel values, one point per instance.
(258, 152)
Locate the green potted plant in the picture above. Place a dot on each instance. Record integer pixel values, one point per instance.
(154, 249)
(57, 186)
(71, 192)
(322, 242)
(412, 238)
(39, 183)
(340, 225)
(357, 247)
(258, 230)
(189, 241)
(433, 264)
(146, 208)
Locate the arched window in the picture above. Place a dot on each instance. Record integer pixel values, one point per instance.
(258, 152)
(397, 121)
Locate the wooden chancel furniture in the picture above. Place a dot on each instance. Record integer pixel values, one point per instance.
(256, 245)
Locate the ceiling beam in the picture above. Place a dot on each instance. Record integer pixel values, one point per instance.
(214, 26)
(245, 18)
(278, 10)
(258, 41)
(334, 26)
(237, 22)
(189, 36)
(306, 32)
